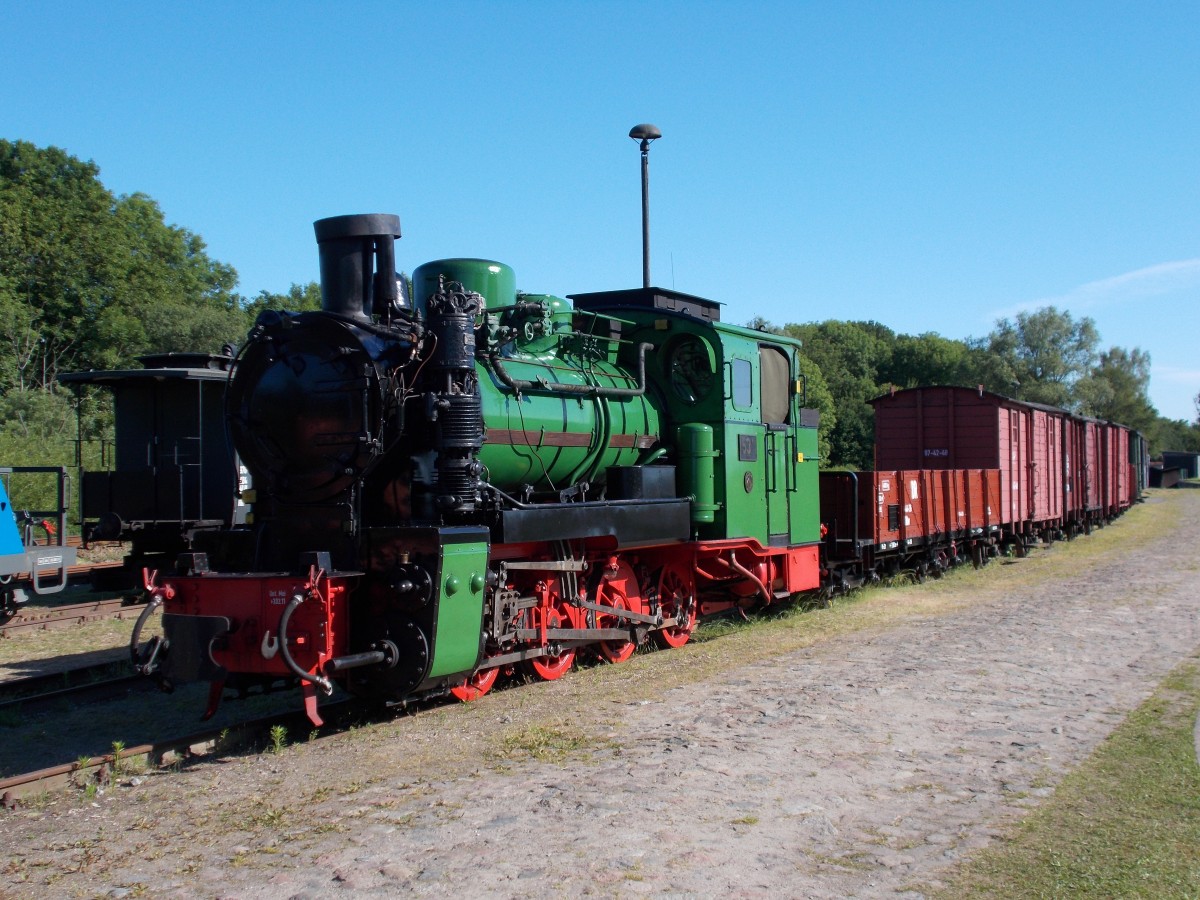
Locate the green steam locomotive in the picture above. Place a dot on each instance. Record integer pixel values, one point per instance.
(453, 479)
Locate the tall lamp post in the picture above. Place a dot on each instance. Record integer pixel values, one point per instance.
(645, 133)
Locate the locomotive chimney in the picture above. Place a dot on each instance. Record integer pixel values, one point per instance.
(358, 264)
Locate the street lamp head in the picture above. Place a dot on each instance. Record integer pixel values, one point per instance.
(645, 133)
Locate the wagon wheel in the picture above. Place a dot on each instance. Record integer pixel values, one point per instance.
(8, 607)
(677, 600)
(477, 685)
(549, 668)
(822, 599)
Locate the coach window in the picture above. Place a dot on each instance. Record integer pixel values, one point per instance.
(774, 372)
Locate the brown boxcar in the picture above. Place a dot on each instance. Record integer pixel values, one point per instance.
(955, 428)
(965, 428)
(1060, 473)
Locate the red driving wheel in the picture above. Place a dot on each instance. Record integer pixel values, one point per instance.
(677, 600)
(621, 591)
(476, 686)
(548, 668)
(614, 651)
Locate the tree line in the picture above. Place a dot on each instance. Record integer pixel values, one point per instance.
(92, 280)
(1044, 356)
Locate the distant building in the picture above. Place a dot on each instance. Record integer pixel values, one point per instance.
(1187, 462)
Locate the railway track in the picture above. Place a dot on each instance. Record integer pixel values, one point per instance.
(46, 618)
(111, 767)
(34, 694)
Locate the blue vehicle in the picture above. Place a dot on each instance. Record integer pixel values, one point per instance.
(28, 566)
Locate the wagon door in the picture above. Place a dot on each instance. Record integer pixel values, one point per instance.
(1016, 474)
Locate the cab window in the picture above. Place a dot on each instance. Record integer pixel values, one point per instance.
(775, 375)
(743, 386)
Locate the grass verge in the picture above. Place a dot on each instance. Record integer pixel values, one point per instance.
(1125, 824)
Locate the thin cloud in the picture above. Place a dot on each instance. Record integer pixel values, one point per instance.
(1137, 286)
(1153, 281)
(1177, 375)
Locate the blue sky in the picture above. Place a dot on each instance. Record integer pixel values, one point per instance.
(931, 166)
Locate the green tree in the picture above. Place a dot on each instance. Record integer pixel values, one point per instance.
(926, 359)
(1173, 434)
(818, 397)
(89, 280)
(1038, 357)
(299, 298)
(37, 428)
(55, 218)
(849, 356)
(183, 299)
(1117, 389)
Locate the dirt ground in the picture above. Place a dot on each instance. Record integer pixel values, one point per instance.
(860, 764)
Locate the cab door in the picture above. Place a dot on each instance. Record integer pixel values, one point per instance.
(779, 439)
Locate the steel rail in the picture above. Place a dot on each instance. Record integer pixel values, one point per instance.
(25, 704)
(45, 618)
(158, 754)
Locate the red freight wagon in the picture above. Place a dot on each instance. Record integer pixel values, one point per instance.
(880, 523)
(860, 513)
(938, 506)
(1119, 469)
(1047, 472)
(1106, 479)
(1127, 489)
(966, 428)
